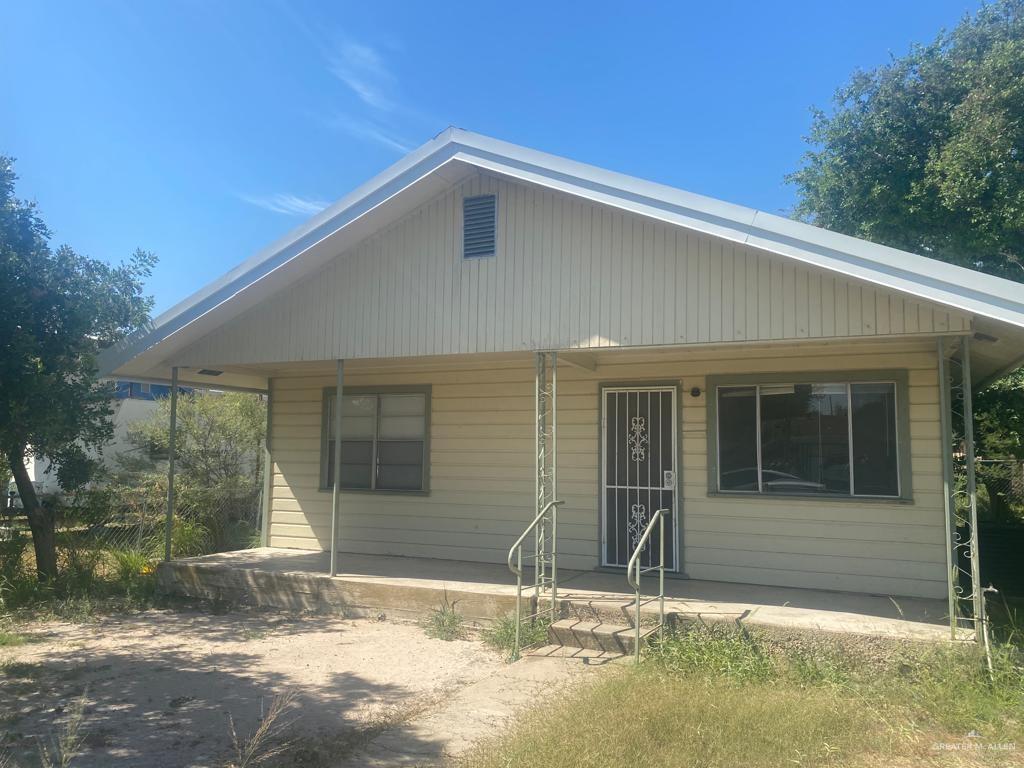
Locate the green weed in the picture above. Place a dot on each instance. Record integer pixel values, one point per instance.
(717, 649)
(445, 622)
(501, 635)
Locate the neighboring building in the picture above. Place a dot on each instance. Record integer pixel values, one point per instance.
(778, 387)
(132, 402)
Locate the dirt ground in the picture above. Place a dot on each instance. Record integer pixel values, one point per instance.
(161, 685)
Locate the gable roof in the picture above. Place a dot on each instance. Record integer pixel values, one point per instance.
(456, 153)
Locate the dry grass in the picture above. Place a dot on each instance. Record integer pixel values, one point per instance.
(662, 721)
(267, 741)
(718, 698)
(62, 748)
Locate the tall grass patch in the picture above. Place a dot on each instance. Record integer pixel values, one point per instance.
(657, 719)
(716, 695)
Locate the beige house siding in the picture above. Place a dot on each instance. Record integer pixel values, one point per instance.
(568, 274)
(481, 470)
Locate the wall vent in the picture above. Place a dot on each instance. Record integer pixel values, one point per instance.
(479, 226)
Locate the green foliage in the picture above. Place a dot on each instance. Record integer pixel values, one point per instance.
(92, 579)
(925, 153)
(501, 635)
(999, 418)
(9, 639)
(58, 310)
(217, 444)
(218, 466)
(714, 695)
(189, 538)
(952, 686)
(444, 622)
(134, 570)
(714, 649)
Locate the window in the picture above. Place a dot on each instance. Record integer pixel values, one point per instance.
(383, 440)
(479, 226)
(819, 438)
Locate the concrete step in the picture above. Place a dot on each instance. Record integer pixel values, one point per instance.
(585, 656)
(614, 611)
(595, 636)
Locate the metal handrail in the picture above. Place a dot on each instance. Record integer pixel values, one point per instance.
(516, 552)
(634, 564)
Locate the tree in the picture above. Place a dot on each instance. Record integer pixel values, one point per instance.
(218, 441)
(58, 309)
(218, 465)
(926, 153)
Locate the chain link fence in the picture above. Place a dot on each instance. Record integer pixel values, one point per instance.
(1000, 491)
(1001, 523)
(206, 520)
(120, 518)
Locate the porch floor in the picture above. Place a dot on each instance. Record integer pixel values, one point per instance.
(412, 586)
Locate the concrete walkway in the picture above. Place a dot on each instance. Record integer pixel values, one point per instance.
(475, 712)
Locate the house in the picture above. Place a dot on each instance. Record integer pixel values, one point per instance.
(508, 328)
(132, 401)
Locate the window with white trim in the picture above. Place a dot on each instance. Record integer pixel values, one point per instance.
(835, 439)
(383, 441)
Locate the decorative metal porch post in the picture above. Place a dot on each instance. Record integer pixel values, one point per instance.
(336, 485)
(546, 533)
(967, 602)
(171, 455)
(948, 479)
(972, 493)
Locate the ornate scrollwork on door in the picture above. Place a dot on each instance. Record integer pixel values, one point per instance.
(637, 524)
(637, 439)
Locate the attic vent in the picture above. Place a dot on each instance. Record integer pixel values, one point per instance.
(479, 223)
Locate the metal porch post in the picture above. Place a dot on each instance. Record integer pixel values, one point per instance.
(171, 451)
(541, 424)
(554, 483)
(546, 532)
(972, 492)
(948, 482)
(268, 468)
(336, 485)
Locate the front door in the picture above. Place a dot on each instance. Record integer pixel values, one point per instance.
(639, 472)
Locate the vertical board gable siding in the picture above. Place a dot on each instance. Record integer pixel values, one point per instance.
(567, 274)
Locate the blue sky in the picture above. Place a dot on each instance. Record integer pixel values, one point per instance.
(204, 129)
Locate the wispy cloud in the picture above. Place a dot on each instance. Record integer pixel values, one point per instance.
(290, 205)
(361, 68)
(379, 113)
(370, 131)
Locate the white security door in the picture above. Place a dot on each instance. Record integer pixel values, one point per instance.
(639, 472)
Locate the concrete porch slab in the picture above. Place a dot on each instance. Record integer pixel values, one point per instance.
(409, 587)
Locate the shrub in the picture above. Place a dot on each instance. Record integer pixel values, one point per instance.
(189, 538)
